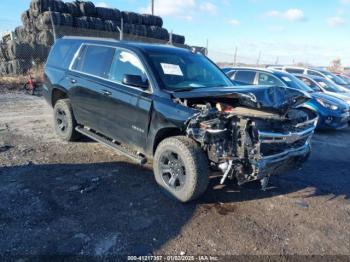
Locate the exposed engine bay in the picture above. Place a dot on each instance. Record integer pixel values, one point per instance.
(250, 144)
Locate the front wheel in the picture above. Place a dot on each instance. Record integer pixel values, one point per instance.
(181, 168)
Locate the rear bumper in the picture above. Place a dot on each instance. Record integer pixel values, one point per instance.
(46, 94)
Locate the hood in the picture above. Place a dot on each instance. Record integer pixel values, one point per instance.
(329, 98)
(343, 96)
(270, 98)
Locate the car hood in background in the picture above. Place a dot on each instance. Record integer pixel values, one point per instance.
(271, 98)
(343, 96)
(327, 97)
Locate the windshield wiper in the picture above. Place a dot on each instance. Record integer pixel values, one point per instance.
(183, 89)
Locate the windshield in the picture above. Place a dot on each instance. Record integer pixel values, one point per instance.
(187, 71)
(329, 86)
(334, 78)
(293, 82)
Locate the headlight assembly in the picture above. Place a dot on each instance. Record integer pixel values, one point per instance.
(327, 104)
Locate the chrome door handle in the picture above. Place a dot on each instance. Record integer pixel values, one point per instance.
(106, 92)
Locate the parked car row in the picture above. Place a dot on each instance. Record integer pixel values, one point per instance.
(329, 93)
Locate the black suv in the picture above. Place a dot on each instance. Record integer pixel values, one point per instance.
(176, 107)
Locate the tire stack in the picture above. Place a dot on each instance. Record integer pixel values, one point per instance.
(81, 18)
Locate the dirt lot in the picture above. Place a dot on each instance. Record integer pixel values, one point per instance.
(81, 198)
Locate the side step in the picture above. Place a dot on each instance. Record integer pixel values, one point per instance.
(141, 160)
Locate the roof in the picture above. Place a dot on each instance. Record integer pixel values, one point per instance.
(309, 76)
(146, 47)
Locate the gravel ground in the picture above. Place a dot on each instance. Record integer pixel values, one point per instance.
(83, 199)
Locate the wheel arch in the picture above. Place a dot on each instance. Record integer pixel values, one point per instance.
(163, 134)
(58, 94)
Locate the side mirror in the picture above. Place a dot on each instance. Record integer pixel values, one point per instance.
(135, 80)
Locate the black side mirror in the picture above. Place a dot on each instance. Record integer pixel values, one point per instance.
(135, 80)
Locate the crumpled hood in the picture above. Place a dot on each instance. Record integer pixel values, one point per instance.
(270, 98)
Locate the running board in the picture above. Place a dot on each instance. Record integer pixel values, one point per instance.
(141, 160)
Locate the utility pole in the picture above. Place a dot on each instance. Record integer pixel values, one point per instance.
(258, 61)
(277, 60)
(53, 26)
(235, 57)
(207, 48)
(152, 6)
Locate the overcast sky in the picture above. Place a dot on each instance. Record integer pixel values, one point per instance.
(285, 30)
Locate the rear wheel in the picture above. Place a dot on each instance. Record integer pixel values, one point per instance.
(181, 168)
(64, 121)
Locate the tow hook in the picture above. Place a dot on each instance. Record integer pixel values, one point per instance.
(264, 183)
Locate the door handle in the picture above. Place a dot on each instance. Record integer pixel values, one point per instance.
(106, 92)
(73, 81)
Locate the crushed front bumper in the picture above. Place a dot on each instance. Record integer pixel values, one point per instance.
(297, 146)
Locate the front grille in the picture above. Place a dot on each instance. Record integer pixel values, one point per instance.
(272, 143)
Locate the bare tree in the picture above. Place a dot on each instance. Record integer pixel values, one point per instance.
(336, 66)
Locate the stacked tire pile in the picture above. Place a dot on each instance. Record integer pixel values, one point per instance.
(35, 37)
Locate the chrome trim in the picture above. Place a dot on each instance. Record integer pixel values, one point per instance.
(286, 154)
(290, 137)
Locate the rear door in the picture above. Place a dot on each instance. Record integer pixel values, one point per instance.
(88, 80)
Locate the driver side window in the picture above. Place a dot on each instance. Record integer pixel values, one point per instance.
(126, 63)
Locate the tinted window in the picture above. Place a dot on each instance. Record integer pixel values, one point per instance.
(62, 53)
(94, 60)
(231, 74)
(126, 63)
(310, 84)
(314, 73)
(245, 77)
(294, 71)
(269, 80)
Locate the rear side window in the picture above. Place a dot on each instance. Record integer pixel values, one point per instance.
(62, 53)
(294, 71)
(94, 60)
(245, 77)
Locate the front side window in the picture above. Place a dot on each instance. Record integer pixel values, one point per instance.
(269, 80)
(94, 60)
(126, 63)
(245, 77)
(184, 70)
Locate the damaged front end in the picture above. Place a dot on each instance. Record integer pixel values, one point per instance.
(248, 143)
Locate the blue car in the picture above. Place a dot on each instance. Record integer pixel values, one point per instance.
(333, 112)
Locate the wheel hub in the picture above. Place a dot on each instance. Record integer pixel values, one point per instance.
(173, 170)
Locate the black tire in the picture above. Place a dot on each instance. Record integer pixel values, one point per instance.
(73, 9)
(185, 172)
(64, 121)
(87, 8)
